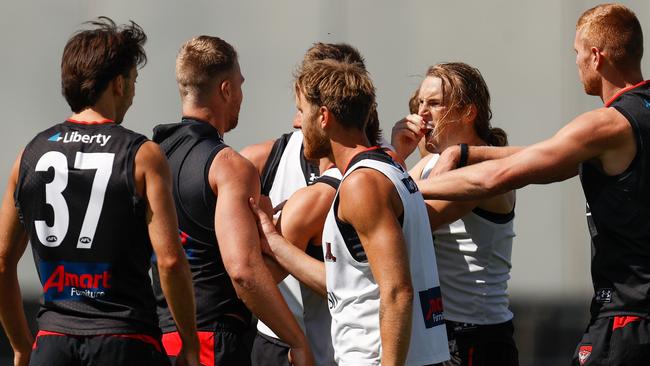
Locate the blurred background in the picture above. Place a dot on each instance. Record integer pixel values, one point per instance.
(523, 48)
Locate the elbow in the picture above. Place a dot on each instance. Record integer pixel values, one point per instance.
(172, 264)
(494, 184)
(242, 276)
(398, 295)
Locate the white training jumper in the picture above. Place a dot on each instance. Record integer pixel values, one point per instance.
(474, 265)
(308, 308)
(353, 293)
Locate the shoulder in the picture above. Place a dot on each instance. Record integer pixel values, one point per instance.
(365, 187)
(309, 204)
(257, 154)
(228, 165)
(149, 156)
(416, 171)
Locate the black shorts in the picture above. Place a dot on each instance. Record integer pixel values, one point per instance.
(614, 341)
(481, 345)
(225, 346)
(269, 351)
(57, 349)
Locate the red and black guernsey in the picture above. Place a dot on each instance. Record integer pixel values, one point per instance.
(77, 199)
(618, 210)
(190, 147)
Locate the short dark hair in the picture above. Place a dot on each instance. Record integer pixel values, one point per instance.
(200, 62)
(344, 88)
(94, 57)
(341, 52)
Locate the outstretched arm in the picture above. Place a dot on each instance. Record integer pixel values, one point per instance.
(603, 136)
(370, 203)
(234, 180)
(153, 178)
(13, 240)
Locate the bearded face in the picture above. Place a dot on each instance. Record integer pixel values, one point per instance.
(316, 142)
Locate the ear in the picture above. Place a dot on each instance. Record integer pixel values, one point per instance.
(117, 85)
(597, 59)
(326, 117)
(470, 114)
(226, 89)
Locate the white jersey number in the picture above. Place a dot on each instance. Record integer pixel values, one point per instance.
(52, 236)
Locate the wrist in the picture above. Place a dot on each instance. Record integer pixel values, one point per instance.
(463, 155)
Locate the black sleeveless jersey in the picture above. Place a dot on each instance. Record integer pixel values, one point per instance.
(190, 147)
(618, 210)
(87, 226)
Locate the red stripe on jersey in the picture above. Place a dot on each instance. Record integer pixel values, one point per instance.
(621, 321)
(361, 152)
(90, 122)
(173, 344)
(620, 92)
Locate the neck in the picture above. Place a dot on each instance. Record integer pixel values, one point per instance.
(613, 84)
(207, 114)
(324, 164)
(465, 136)
(104, 109)
(346, 144)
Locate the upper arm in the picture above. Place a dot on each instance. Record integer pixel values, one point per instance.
(590, 136)
(370, 203)
(153, 177)
(258, 154)
(234, 179)
(13, 237)
(304, 214)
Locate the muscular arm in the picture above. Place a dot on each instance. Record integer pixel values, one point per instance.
(301, 223)
(370, 203)
(441, 212)
(258, 154)
(153, 180)
(234, 180)
(476, 154)
(13, 240)
(602, 136)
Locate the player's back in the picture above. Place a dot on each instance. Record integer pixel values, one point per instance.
(77, 199)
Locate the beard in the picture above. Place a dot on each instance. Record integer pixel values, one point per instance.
(317, 145)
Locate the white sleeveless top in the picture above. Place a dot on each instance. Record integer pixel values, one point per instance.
(353, 293)
(474, 266)
(309, 308)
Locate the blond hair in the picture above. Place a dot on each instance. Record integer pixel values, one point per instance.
(201, 62)
(614, 29)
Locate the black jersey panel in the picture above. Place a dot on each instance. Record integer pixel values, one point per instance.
(617, 215)
(87, 227)
(190, 147)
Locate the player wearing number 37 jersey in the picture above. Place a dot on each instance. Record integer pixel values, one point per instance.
(94, 200)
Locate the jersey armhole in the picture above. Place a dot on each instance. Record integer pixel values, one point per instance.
(272, 162)
(130, 167)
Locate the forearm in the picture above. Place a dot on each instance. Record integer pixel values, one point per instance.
(258, 290)
(176, 283)
(395, 312)
(277, 271)
(306, 269)
(12, 314)
(478, 154)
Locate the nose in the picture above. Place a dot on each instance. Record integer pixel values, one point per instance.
(297, 120)
(422, 110)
